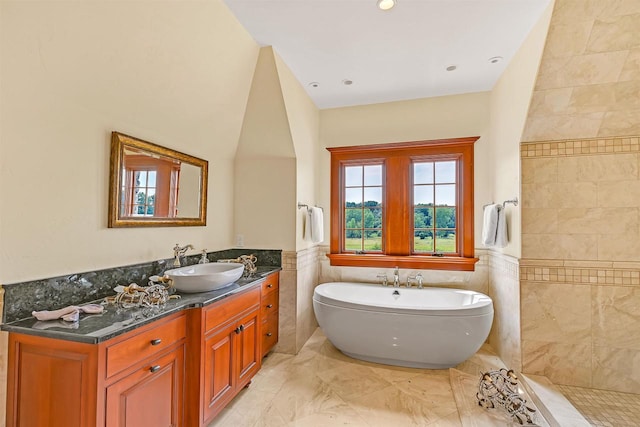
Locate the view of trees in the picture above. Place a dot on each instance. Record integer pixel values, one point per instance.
(369, 221)
(142, 201)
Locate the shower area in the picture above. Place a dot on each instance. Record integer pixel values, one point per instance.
(580, 193)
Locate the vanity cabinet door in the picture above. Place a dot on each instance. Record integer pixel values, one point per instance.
(248, 352)
(219, 378)
(50, 382)
(151, 395)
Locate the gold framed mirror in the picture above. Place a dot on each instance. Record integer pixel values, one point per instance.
(154, 186)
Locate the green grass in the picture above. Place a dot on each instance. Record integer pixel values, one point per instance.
(447, 244)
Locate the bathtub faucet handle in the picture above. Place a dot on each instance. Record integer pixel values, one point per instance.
(396, 277)
(419, 279)
(383, 276)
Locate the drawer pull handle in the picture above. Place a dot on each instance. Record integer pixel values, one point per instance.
(269, 334)
(154, 368)
(156, 341)
(269, 285)
(269, 305)
(239, 329)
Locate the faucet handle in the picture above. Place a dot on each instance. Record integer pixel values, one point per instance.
(419, 278)
(383, 276)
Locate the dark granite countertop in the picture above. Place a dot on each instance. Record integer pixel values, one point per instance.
(115, 321)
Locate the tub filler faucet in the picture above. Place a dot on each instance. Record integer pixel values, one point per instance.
(396, 278)
(179, 252)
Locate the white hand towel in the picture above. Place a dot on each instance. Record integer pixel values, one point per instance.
(316, 223)
(490, 224)
(502, 236)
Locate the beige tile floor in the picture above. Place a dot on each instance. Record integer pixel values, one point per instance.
(605, 408)
(322, 387)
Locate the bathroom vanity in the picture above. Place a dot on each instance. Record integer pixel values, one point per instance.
(179, 366)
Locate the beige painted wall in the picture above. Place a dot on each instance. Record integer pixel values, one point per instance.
(422, 119)
(304, 122)
(580, 204)
(174, 73)
(509, 104)
(265, 165)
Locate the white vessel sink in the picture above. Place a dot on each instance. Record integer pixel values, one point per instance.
(205, 277)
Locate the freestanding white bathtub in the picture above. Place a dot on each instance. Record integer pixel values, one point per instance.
(432, 328)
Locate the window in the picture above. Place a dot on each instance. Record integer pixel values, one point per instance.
(406, 204)
(150, 187)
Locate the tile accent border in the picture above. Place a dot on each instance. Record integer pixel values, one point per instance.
(576, 147)
(558, 271)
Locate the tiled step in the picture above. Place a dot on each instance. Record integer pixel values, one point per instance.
(465, 387)
(557, 410)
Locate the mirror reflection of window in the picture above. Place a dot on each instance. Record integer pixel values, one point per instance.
(150, 186)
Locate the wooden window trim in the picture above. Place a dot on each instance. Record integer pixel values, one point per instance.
(398, 251)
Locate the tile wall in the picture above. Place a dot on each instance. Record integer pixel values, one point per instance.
(504, 290)
(298, 279)
(580, 267)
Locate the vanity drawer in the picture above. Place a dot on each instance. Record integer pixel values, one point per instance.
(269, 333)
(269, 304)
(270, 284)
(221, 312)
(142, 345)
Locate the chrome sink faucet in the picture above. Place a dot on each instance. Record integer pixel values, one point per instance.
(179, 252)
(396, 278)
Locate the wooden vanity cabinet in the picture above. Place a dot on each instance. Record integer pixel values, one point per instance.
(230, 349)
(270, 297)
(131, 380)
(180, 370)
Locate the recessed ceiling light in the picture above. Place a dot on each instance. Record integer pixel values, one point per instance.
(386, 4)
(347, 82)
(451, 67)
(314, 84)
(495, 59)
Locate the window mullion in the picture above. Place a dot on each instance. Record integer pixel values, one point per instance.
(397, 218)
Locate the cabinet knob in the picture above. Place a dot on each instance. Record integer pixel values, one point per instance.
(154, 368)
(239, 329)
(270, 285)
(156, 341)
(269, 305)
(269, 334)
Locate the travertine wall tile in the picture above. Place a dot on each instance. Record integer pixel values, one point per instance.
(616, 167)
(560, 246)
(621, 247)
(619, 194)
(559, 195)
(504, 290)
(616, 369)
(562, 126)
(540, 221)
(616, 33)
(580, 70)
(556, 312)
(562, 363)
(568, 39)
(539, 170)
(590, 99)
(616, 309)
(591, 220)
(550, 101)
(620, 123)
(631, 69)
